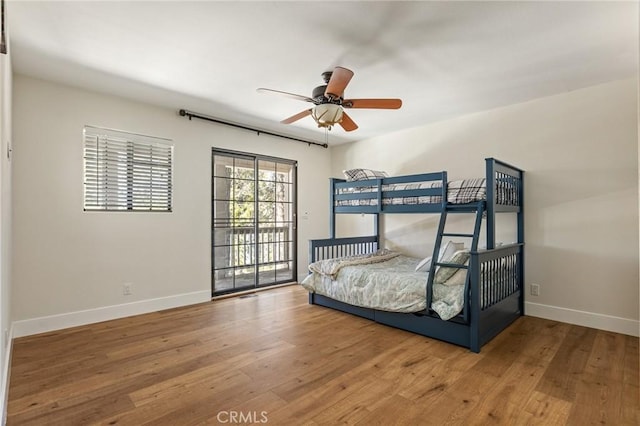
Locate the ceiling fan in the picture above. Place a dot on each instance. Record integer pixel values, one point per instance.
(330, 103)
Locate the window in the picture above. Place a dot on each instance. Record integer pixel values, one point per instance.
(126, 172)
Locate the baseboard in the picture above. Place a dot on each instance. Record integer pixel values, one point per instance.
(90, 316)
(586, 319)
(6, 375)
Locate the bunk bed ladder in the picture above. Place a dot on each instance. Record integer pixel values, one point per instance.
(479, 211)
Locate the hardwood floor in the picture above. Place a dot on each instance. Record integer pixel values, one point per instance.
(274, 359)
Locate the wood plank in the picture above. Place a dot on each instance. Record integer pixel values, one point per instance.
(356, 407)
(562, 374)
(599, 392)
(629, 411)
(118, 378)
(266, 402)
(94, 409)
(172, 388)
(397, 411)
(503, 402)
(542, 409)
(196, 402)
(310, 405)
(441, 376)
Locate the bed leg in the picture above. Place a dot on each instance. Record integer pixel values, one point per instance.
(311, 298)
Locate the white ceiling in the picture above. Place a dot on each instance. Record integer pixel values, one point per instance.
(443, 59)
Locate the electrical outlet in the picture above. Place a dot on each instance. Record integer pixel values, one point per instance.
(535, 289)
(127, 289)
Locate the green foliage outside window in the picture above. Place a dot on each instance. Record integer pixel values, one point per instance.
(272, 188)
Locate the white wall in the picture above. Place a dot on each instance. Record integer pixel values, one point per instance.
(66, 260)
(580, 154)
(5, 227)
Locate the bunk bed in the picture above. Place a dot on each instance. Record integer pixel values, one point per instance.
(493, 277)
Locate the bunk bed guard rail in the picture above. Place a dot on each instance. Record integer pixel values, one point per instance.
(496, 297)
(376, 196)
(330, 248)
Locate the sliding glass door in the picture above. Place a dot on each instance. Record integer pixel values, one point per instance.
(254, 221)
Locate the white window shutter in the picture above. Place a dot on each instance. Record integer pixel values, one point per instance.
(127, 172)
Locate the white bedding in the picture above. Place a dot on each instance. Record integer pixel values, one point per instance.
(392, 285)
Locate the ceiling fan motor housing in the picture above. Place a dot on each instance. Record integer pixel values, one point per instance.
(318, 95)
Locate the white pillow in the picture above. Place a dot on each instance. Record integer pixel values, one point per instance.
(424, 265)
(445, 254)
(445, 275)
(458, 278)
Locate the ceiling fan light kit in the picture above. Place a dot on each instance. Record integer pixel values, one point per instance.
(327, 115)
(330, 103)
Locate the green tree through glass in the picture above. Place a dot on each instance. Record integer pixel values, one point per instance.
(272, 206)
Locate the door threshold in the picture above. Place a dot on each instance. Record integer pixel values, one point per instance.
(252, 291)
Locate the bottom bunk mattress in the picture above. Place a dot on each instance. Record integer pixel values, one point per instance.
(385, 281)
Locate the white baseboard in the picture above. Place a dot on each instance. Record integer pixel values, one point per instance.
(72, 319)
(586, 319)
(6, 371)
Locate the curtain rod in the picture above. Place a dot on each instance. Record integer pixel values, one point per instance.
(190, 115)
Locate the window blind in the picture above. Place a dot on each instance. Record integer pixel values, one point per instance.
(126, 172)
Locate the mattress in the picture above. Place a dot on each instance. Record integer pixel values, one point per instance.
(390, 285)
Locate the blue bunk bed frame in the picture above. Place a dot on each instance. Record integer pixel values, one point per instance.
(494, 293)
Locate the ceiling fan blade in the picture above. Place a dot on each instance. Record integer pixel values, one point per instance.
(372, 103)
(296, 117)
(347, 123)
(338, 82)
(287, 94)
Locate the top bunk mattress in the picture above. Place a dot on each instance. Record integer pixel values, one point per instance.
(461, 191)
